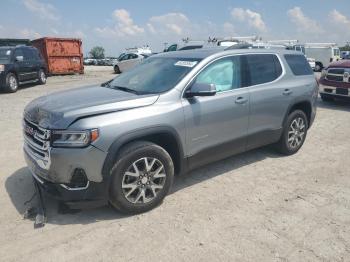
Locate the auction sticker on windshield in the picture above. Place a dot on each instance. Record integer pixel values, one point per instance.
(186, 63)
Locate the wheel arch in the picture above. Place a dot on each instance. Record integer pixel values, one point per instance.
(164, 136)
(304, 106)
(12, 71)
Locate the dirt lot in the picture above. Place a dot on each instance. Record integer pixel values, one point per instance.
(257, 206)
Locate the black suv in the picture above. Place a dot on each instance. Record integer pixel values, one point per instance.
(20, 65)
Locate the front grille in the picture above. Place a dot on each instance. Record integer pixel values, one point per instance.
(338, 75)
(37, 143)
(335, 78)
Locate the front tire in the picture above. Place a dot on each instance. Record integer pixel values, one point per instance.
(117, 69)
(141, 177)
(294, 133)
(11, 83)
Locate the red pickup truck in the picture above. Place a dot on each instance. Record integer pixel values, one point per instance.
(335, 81)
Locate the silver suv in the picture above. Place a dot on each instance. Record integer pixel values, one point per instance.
(176, 111)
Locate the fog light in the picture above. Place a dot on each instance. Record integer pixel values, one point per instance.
(78, 181)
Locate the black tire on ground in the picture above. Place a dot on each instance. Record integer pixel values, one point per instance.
(318, 67)
(128, 155)
(11, 83)
(283, 146)
(326, 98)
(116, 69)
(41, 77)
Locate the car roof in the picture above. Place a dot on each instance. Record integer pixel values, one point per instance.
(206, 52)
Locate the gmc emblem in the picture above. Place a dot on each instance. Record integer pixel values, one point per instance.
(29, 130)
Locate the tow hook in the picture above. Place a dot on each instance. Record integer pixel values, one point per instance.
(39, 211)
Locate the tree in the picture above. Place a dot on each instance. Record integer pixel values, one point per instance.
(97, 52)
(345, 48)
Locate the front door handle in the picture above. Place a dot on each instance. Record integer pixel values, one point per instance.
(287, 92)
(241, 100)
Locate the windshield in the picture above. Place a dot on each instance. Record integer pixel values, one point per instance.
(154, 75)
(5, 54)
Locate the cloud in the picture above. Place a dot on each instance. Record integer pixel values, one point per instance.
(124, 26)
(338, 18)
(253, 19)
(304, 24)
(229, 29)
(170, 23)
(43, 10)
(29, 33)
(125, 23)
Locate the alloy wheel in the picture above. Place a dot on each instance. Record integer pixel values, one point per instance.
(13, 82)
(42, 77)
(143, 180)
(296, 132)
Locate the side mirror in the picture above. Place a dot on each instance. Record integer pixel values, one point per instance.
(199, 89)
(19, 58)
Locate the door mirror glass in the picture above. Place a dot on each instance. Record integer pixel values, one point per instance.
(201, 89)
(19, 58)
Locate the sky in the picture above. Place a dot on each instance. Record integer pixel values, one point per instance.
(117, 25)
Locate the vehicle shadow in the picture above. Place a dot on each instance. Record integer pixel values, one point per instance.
(20, 88)
(20, 188)
(337, 104)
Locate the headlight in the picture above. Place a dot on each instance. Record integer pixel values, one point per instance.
(72, 138)
(324, 73)
(2, 68)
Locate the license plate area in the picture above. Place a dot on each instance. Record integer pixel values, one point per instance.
(342, 91)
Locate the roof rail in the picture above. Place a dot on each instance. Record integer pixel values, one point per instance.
(240, 46)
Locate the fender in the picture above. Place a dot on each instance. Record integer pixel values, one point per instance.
(138, 134)
(291, 105)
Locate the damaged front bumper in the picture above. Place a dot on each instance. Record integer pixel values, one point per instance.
(59, 181)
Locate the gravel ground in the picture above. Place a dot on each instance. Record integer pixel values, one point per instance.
(257, 206)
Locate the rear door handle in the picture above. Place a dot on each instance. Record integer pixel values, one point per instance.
(241, 100)
(287, 92)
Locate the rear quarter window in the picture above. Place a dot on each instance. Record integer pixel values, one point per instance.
(263, 68)
(299, 65)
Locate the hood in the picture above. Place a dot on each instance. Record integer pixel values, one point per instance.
(341, 63)
(59, 110)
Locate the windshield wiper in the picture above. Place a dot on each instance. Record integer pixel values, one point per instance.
(125, 89)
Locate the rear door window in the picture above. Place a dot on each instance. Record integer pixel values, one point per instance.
(299, 65)
(28, 55)
(36, 55)
(263, 68)
(19, 52)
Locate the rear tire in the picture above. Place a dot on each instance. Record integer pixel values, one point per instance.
(327, 98)
(11, 83)
(141, 177)
(117, 69)
(41, 77)
(294, 133)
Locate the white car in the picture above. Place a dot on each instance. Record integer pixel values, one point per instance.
(312, 63)
(127, 61)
